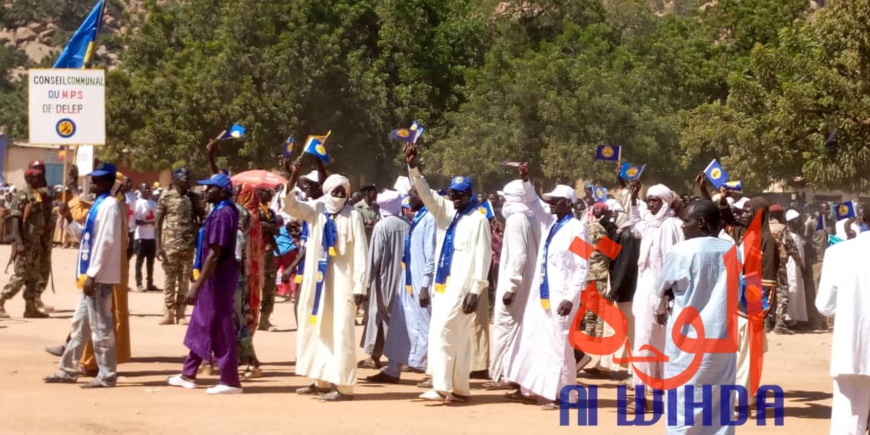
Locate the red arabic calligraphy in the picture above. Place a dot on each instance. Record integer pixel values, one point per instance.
(592, 301)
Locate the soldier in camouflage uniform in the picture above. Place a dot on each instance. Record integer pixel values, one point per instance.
(29, 220)
(785, 248)
(179, 214)
(270, 229)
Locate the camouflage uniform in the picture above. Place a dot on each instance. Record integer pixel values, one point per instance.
(599, 266)
(46, 241)
(178, 243)
(270, 270)
(33, 208)
(786, 248)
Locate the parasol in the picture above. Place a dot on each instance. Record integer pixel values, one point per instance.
(259, 178)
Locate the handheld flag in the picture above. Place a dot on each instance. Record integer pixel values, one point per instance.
(846, 210)
(609, 153)
(315, 145)
(80, 49)
(510, 164)
(402, 134)
(716, 174)
(235, 132)
(416, 131)
(486, 209)
(599, 194)
(734, 186)
(287, 148)
(630, 172)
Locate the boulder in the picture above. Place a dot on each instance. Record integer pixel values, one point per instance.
(37, 51)
(36, 27)
(46, 35)
(23, 34)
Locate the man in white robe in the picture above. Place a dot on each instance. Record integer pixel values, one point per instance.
(519, 252)
(336, 254)
(844, 294)
(544, 358)
(463, 257)
(694, 276)
(659, 230)
(797, 298)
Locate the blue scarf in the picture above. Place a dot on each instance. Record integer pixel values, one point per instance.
(330, 234)
(446, 258)
(200, 238)
(303, 237)
(87, 241)
(406, 260)
(545, 279)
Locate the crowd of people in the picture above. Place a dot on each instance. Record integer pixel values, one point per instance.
(432, 269)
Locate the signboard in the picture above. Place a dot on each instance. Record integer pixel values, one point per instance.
(67, 106)
(85, 159)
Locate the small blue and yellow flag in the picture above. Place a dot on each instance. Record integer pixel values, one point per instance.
(845, 210)
(599, 194)
(716, 174)
(734, 186)
(80, 49)
(402, 134)
(486, 209)
(287, 147)
(235, 132)
(630, 172)
(608, 153)
(316, 145)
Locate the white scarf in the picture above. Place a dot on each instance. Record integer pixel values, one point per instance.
(336, 205)
(514, 200)
(651, 221)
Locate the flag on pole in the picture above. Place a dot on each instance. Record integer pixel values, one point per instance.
(316, 145)
(235, 132)
(79, 51)
(289, 144)
(610, 153)
(716, 174)
(630, 172)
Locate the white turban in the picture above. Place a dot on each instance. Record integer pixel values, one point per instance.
(390, 203)
(514, 199)
(334, 205)
(791, 215)
(661, 192)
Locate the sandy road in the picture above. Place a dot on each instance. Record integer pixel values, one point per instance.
(143, 403)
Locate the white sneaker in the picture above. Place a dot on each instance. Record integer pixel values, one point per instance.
(178, 381)
(223, 389)
(583, 362)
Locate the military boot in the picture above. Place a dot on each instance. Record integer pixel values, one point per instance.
(32, 312)
(265, 325)
(168, 317)
(3, 314)
(180, 318)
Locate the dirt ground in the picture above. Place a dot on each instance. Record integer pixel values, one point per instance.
(143, 403)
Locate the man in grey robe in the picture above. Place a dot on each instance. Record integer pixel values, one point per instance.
(386, 276)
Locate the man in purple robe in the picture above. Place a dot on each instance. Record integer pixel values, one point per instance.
(211, 330)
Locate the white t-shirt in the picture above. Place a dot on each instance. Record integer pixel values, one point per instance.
(130, 202)
(146, 210)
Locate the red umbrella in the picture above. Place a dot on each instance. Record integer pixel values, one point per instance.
(259, 178)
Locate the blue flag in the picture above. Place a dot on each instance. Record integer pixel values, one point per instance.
(630, 172)
(609, 153)
(845, 210)
(486, 209)
(80, 49)
(734, 186)
(416, 130)
(402, 134)
(289, 144)
(235, 132)
(599, 194)
(315, 145)
(716, 174)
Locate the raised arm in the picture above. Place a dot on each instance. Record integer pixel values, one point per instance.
(212, 148)
(440, 208)
(298, 210)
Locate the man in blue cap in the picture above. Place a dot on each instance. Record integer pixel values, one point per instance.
(98, 270)
(211, 330)
(463, 257)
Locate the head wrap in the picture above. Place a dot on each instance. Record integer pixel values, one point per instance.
(514, 199)
(614, 205)
(600, 207)
(333, 204)
(390, 203)
(791, 215)
(661, 192)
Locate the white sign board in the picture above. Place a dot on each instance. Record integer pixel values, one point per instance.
(67, 106)
(85, 159)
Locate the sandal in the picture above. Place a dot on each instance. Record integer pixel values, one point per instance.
(58, 378)
(515, 396)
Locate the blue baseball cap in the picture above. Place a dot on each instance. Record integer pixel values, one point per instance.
(105, 170)
(219, 180)
(461, 183)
